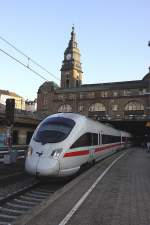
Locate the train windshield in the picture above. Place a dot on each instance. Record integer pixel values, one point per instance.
(54, 130)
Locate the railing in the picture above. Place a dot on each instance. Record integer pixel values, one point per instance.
(120, 117)
(20, 152)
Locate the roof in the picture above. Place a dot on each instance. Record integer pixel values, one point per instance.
(47, 85)
(6, 92)
(105, 86)
(147, 76)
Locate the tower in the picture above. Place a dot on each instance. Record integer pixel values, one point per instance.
(71, 71)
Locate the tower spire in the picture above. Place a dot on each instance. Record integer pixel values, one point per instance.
(71, 71)
(72, 42)
(73, 27)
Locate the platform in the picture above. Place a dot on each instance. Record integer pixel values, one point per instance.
(121, 197)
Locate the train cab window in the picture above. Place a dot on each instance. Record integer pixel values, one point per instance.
(53, 130)
(87, 139)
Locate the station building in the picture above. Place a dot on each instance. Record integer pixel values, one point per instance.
(125, 105)
(109, 102)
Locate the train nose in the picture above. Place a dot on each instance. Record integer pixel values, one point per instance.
(47, 167)
(31, 164)
(42, 166)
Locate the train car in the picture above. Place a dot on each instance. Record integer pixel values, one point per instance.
(64, 142)
(126, 139)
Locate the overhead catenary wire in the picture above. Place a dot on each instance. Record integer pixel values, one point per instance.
(28, 58)
(23, 64)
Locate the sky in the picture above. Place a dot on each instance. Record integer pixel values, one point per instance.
(112, 36)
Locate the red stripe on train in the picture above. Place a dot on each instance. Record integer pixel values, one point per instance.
(86, 152)
(77, 153)
(106, 147)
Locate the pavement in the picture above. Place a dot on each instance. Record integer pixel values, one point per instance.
(121, 196)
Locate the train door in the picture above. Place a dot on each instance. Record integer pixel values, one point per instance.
(93, 144)
(91, 153)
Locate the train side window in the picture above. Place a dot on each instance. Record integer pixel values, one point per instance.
(87, 139)
(84, 140)
(95, 139)
(106, 139)
(124, 139)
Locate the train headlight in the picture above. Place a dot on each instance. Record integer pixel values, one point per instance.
(29, 151)
(56, 153)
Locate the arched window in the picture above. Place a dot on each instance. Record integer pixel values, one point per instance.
(114, 107)
(65, 108)
(80, 108)
(134, 106)
(77, 81)
(67, 83)
(67, 80)
(45, 99)
(96, 107)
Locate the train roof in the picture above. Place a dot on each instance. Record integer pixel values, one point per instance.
(73, 116)
(78, 118)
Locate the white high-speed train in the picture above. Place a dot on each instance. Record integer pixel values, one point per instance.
(63, 142)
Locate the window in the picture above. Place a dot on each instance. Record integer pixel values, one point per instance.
(144, 91)
(77, 83)
(60, 97)
(97, 107)
(81, 108)
(91, 94)
(84, 140)
(106, 139)
(81, 95)
(126, 92)
(114, 107)
(124, 139)
(29, 136)
(87, 139)
(115, 93)
(94, 139)
(72, 96)
(134, 106)
(65, 108)
(67, 75)
(45, 100)
(53, 130)
(67, 83)
(104, 94)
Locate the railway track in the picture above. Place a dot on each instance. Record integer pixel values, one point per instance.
(18, 203)
(10, 173)
(25, 199)
(8, 179)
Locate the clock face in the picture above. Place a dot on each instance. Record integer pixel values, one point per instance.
(68, 56)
